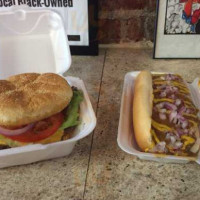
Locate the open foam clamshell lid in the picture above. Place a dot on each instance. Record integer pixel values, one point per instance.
(32, 40)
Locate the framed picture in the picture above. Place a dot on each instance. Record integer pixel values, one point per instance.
(82, 27)
(79, 18)
(177, 29)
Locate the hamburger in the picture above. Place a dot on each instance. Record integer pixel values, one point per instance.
(37, 109)
(165, 118)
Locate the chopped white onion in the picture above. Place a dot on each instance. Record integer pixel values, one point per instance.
(178, 145)
(172, 116)
(168, 135)
(184, 124)
(160, 148)
(170, 106)
(186, 131)
(171, 77)
(173, 96)
(162, 78)
(162, 116)
(173, 139)
(163, 94)
(191, 131)
(175, 120)
(188, 111)
(161, 87)
(178, 102)
(180, 132)
(182, 110)
(163, 110)
(160, 105)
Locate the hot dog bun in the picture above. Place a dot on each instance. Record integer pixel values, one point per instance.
(142, 109)
(165, 119)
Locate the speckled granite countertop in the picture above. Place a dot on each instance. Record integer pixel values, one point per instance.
(97, 169)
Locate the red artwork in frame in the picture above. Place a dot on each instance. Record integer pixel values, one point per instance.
(195, 1)
(182, 17)
(177, 29)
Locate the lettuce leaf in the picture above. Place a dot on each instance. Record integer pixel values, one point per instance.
(72, 112)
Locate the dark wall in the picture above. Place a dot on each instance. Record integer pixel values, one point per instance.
(126, 20)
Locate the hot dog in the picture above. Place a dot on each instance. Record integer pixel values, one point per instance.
(165, 118)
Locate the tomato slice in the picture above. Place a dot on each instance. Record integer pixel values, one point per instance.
(41, 130)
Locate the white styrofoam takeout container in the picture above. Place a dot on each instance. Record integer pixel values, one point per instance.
(35, 41)
(126, 139)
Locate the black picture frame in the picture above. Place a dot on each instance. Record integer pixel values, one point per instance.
(155, 37)
(92, 49)
(155, 31)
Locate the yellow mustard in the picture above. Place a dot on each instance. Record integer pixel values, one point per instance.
(163, 99)
(193, 123)
(155, 136)
(156, 90)
(160, 127)
(182, 87)
(188, 103)
(189, 115)
(188, 140)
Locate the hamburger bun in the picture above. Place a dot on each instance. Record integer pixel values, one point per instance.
(30, 97)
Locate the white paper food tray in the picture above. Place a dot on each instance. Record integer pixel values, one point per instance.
(35, 41)
(126, 139)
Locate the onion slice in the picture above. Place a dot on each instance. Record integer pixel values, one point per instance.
(172, 115)
(162, 116)
(9, 132)
(182, 110)
(170, 106)
(178, 102)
